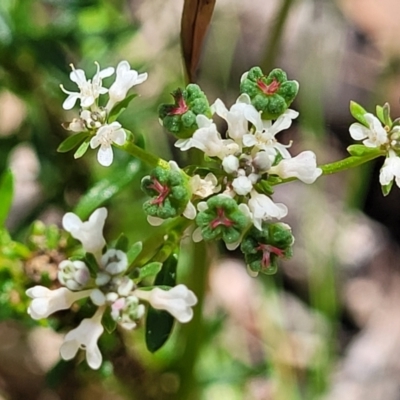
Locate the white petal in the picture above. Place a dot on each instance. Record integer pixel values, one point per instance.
(358, 131)
(105, 156)
(70, 101)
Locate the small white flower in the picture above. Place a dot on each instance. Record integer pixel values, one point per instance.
(302, 167)
(390, 170)
(242, 185)
(89, 90)
(114, 261)
(89, 233)
(178, 301)
(46, 301)
(85, 337)
(73, 274)
(230, 164)
(262, 161)
(125, 80)
(263, 208)
(126, 310)
(264, 136)
(208, 140)
(235, 117)
(204, 187)
(375, 135)
(105, 137)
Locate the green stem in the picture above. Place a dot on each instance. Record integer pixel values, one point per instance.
(143, 155)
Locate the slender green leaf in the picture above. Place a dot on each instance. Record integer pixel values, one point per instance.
(108, 321)
(387, 188)
(150, 269)
(72, 141)
(106, 188)
(159, 323)
(82, 149)
(120, 107)
(359, 150)
(6, 195)
(122, 243)
(358, 112)
(134, 251)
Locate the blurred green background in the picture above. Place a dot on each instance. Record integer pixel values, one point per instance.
(327, 326)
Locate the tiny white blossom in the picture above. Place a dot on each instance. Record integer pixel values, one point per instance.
(262, 161)
(263, 208)
(126, 310)
(89, 233)
(89, 90)
(178, 301)
(242, 185)
(374, 136)
(230, 164)
(125, 80)
(85, 337)
(264, 136)
(303, 167)
(105, 137)
(208, 140)
(73, 274)
(235, 117)
(46, 302)
(390, 170)
(114, 261)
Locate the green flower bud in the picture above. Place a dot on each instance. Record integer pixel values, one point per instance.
(222, 219)
(180, 118)
(169, 190)
(263, 248)
(272, 94)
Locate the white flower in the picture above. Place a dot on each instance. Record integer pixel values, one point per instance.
(178, 301)
(242, 185)
(46, 301)
(263, 208)
(125, 80)
(89, 90)
(89, 233)
(375, 135)
(390, 170)
(208, 140)
(230, 164)
(235, 117)
(204, 187)
(73, 274)
(105, 136)
(85, 337)
(303, 167)
(262, 161)
(125, 310)
(264, 136)
(114, 261)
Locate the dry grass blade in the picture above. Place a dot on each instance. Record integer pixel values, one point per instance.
(196, 17)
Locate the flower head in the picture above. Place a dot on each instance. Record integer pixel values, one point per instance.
(390, 170)
(73, 274)
(89, 233)
(105, 137)
(374, 136)
(125, 80)
(178, 301)
(85, 337)
(89, 90)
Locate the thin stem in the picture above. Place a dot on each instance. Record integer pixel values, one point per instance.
(143, 155)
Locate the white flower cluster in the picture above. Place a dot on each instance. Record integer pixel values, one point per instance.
(94, 118)
(249, 154)
(107, 287)
(384, 137)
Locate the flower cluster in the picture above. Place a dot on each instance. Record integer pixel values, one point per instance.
(247, 161)
(379, 133)
(96, 124)
(103, 277)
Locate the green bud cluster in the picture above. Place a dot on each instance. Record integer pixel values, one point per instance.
(262, 249)
(272, 94)
(180, 118)
(169, 191)
(222, 220)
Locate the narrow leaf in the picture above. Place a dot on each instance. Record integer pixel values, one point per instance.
(134, 251)
(359, 150)
(122, 243)
(6, 195)
(151, 269)
(108, 321)
(196, 17)
(387, 188)
(82, 149)
(106, 188)
(120, 107)
(72, 141)
(159, 323)
(358, 112)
